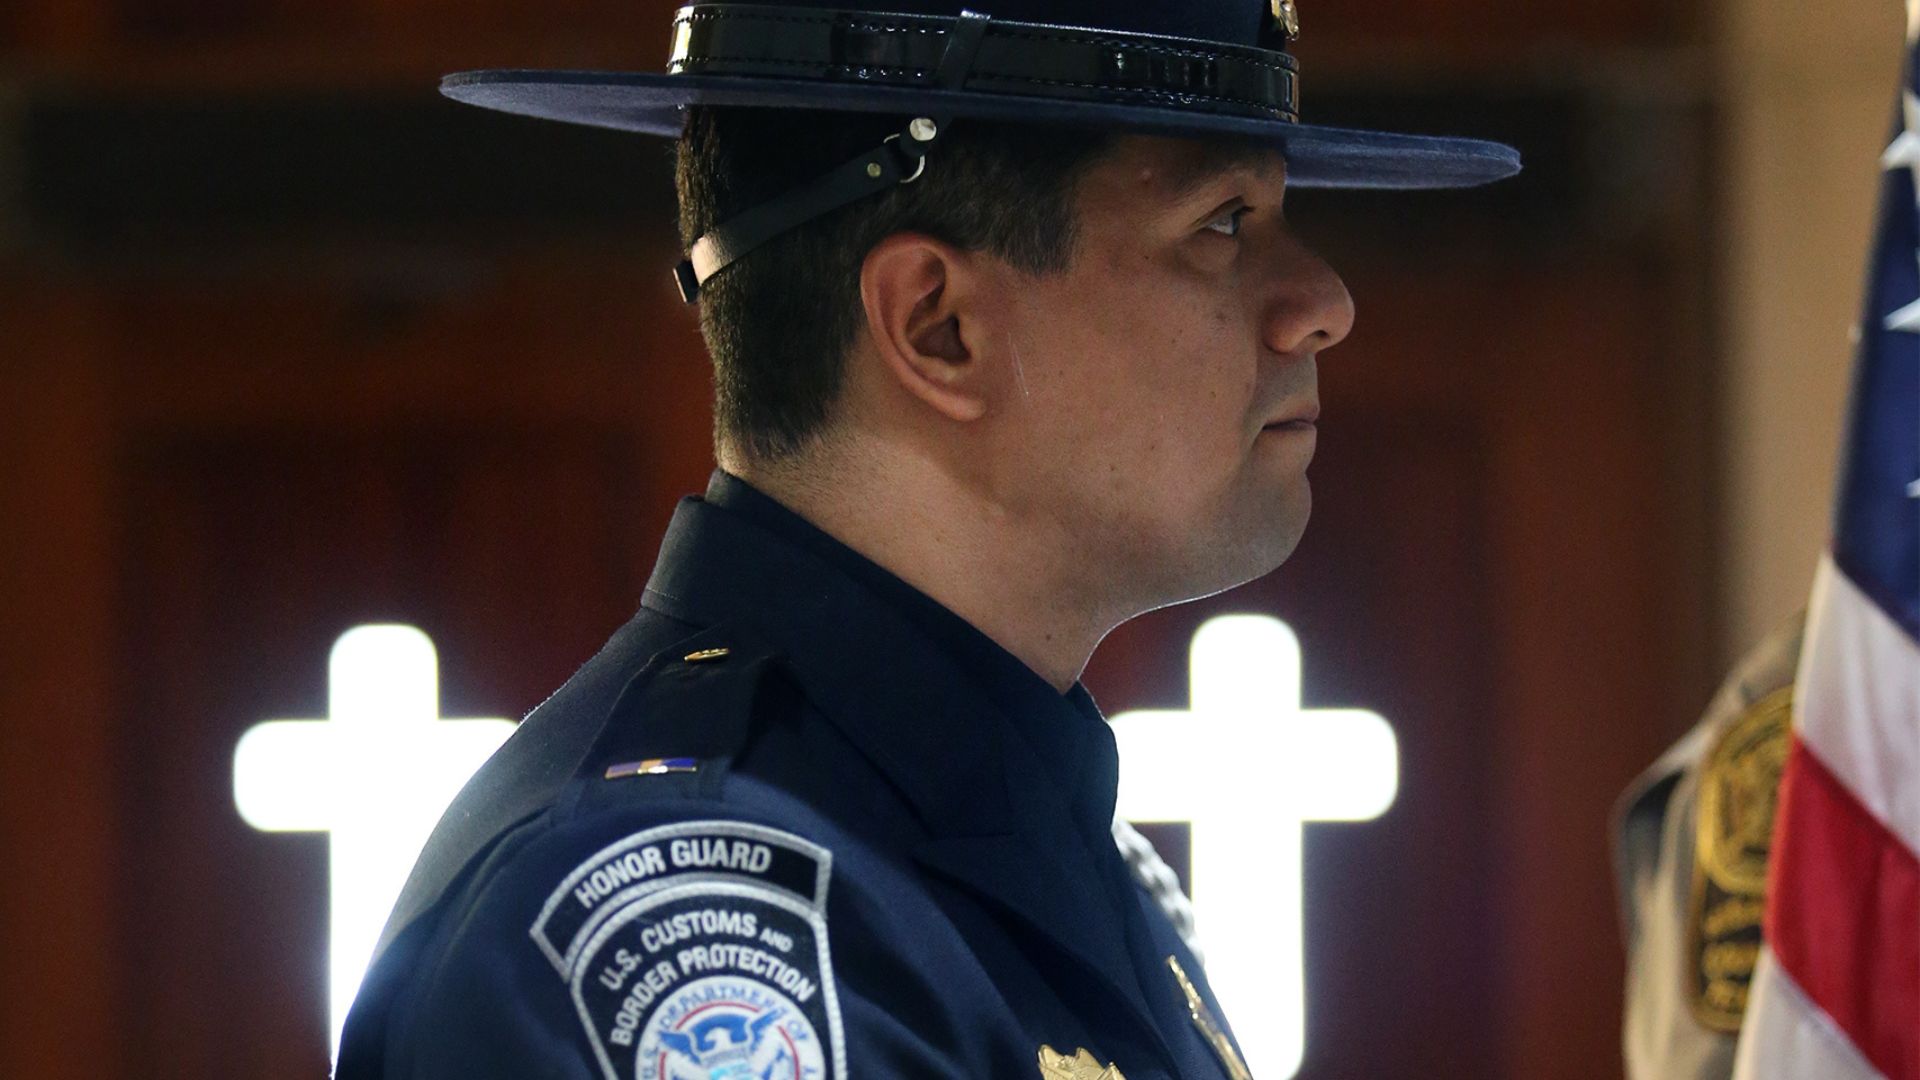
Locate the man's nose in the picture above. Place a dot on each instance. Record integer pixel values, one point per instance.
(1310, 308)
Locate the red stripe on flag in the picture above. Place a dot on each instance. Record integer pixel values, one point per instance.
(1843, 914)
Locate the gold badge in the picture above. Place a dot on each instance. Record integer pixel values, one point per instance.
(1055, 1065)
(1739, 785)
(1210, 1028)
(1287, 18)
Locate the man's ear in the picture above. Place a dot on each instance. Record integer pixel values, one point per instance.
(919, 294)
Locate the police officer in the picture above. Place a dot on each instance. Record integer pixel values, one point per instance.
(1011, 343)
(1693, 835)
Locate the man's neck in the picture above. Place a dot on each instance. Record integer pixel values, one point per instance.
(942, 536)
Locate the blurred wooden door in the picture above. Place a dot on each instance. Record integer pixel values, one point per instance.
(227, 434)
(281, 460)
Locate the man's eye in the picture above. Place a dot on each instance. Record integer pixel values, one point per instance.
(1231, 221)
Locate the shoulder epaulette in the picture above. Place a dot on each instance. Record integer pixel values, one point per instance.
(681, 721)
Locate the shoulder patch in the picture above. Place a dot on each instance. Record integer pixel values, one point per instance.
(1739, 786)
(699, 950)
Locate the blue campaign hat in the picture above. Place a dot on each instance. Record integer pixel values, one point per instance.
(1193, 69)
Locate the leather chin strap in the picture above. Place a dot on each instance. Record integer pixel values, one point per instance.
(899, 159)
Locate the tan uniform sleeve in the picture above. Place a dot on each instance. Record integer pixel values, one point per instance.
(1688, 914)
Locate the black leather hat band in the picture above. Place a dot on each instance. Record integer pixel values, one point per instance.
(1030, 59)
(968, 52)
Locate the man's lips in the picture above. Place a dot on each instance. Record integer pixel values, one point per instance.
(1299, 419)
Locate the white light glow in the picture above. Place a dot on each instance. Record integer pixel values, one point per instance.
(376, 775)
(1246, 767)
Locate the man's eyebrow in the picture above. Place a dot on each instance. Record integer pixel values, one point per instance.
(1190, 173)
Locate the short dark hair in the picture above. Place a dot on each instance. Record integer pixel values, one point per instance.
(779, 322)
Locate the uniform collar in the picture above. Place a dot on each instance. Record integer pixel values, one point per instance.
(941, 707)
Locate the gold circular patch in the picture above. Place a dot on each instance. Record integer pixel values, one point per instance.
(1738, 788)
(1733, 834)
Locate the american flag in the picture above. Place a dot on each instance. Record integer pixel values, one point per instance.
(1836, 993)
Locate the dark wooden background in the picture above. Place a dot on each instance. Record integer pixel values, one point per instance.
(288, 344)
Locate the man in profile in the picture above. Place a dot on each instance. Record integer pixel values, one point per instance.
(1011, 342)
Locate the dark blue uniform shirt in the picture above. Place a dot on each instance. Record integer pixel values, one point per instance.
(796, 819)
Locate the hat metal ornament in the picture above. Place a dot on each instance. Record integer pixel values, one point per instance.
(1194, 69)
(1287, 18)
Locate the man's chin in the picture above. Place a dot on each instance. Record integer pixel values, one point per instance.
(1271, 541)
(1273, 554)
(1229, 564)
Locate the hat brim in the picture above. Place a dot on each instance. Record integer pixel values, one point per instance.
(651, 103)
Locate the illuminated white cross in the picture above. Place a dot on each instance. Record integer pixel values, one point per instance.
(376, 775)
(1247, 767)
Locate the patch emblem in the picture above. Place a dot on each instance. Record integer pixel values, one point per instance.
(1739, 786)
(698, 951)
